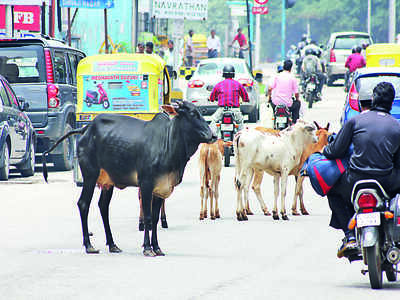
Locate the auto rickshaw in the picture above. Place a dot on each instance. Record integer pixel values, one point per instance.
(383, 55)
(129, 84)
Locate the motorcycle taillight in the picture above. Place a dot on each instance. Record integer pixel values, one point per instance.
(281, 111)
(367, 200)
(227, 120)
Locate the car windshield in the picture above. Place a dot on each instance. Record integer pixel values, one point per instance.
(347, 42)
(212, 68)
(365, 85)
(22, 64)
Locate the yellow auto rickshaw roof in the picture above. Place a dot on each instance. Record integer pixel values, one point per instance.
(383, 48)
(147, 63)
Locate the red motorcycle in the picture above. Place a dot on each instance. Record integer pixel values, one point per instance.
(92, 97)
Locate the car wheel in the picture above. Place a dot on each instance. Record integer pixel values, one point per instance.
(5, 159)
(63, 162)
(28, 168)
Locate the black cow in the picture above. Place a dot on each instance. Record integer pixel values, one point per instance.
(121, 151)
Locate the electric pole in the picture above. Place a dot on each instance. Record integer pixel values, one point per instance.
(392, 21)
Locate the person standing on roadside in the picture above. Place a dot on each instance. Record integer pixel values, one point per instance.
(149, 47)
(169, 57)
(242, 41)
(213, 45)
(140, 48)
(189, 49)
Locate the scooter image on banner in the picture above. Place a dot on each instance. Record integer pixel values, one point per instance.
(92, 97)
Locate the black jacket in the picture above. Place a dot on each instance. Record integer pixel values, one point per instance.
(375, 135)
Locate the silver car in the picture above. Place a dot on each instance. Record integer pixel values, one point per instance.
(338, 49)
(209, 73)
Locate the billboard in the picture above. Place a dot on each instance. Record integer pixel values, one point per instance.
(27, 17)
(180, 9)
(88, 3)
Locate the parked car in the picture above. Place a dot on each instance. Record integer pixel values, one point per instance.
(209, 72)
(361, 87)
(17, 136)
(338, 49)
(43, 71)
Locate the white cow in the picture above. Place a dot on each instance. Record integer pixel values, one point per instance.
(276, 155)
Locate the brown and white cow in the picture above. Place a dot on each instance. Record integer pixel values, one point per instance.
(210, 165)
(322, 134)
(276, 155)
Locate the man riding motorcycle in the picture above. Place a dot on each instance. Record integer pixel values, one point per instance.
(228, 93)
(312, 65)
(376, 155)
(355, 61)
(282, 90)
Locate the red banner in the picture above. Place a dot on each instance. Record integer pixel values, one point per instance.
(260, 10)
(2, 16)
(261, 2)
(27, 17)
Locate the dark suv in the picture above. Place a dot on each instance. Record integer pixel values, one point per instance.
(43, 72)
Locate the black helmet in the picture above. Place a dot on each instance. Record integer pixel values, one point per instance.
(309, 51)
(383, 96)
(358, 49)
(228, 71)
(304, 37)
(354, 49)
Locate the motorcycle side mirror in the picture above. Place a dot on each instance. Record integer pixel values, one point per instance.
(259, 77)
(174, 75)
(187, 77)
(322, 47)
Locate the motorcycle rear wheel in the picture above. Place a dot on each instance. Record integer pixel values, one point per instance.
(227, 156)
(391, 273)
(374, 262)
(310, 100)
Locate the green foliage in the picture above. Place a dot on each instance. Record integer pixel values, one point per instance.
(324, 16)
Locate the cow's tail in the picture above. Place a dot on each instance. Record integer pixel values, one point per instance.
(60, 140)
(237, 159)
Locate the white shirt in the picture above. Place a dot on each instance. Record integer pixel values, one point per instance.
(214, 43)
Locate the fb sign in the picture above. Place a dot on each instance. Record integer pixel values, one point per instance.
(27, 17)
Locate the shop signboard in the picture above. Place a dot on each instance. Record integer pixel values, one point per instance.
(22, 2)
(2, 16)
(180, 9)
(88, 3)
(27, 17)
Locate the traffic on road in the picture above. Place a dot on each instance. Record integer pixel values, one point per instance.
(166, 122)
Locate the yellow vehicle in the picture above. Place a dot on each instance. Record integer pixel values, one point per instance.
(383, 55)
(129, 84)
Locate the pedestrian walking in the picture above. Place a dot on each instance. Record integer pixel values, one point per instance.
(213, 44)
(189, 49)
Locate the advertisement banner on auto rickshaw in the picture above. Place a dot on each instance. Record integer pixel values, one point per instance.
(118, 92)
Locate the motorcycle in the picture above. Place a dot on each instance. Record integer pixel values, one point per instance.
(282, 117)
(92, 97)
(310, 89)
(228, 128)
(377, 224)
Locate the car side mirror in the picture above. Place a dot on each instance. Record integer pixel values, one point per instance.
(322, 47)
(23, 104)
(174, 75)
(187, 77)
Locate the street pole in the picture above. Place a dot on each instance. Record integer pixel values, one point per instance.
(105, 31)
(69, 26)
(369, 18)
(257, 41)
(249, 36)
(135, 24)
(392, 21)
(283, 30)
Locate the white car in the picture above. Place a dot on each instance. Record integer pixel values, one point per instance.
(338, 49)
(209, 72)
